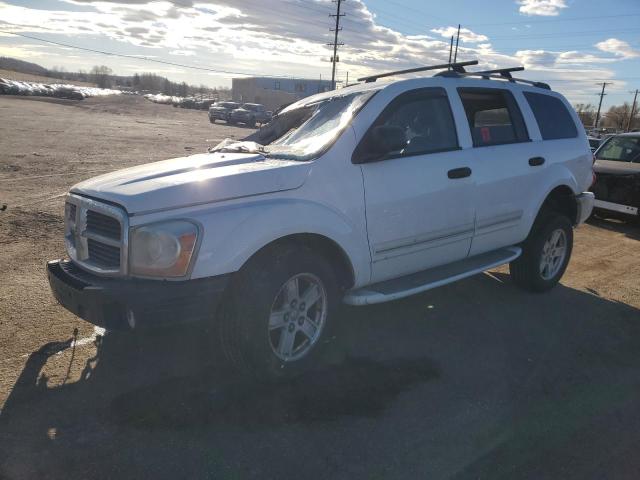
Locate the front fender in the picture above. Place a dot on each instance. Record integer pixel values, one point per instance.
(233, 234)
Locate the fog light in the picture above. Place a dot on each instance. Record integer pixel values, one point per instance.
(131, 319)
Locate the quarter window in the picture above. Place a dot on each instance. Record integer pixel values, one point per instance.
(554, 121)
(493, 115)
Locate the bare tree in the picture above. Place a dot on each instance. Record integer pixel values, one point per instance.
(101, 75)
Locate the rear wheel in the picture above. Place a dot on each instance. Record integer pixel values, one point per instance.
(545, 254)
(212, 119)
(278, 312)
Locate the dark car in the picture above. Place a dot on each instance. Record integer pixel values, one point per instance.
(617, 168)
(250, 114)
(594, 143)
(221, 111)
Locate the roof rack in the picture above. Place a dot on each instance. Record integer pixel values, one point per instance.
(499, 74)
(503, 72)
(455, 67)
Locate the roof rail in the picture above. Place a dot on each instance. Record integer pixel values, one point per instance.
(455, 67)
(498, 74)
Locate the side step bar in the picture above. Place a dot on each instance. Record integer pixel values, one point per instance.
(432, 278)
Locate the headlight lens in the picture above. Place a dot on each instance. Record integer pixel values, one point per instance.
(162, 249)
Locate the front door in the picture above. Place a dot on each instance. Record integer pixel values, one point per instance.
(419, 199)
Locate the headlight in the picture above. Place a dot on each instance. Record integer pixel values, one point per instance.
(162, 249)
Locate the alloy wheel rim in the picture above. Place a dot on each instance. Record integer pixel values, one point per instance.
(297, 316)
(554, 252)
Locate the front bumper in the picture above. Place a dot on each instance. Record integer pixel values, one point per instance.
(123, 304)
(584, 203)
(218, 115)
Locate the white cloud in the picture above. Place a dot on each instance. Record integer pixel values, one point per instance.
(545, 8)
(466, 35)
(619, 48)
(537, 58)
(277, 38)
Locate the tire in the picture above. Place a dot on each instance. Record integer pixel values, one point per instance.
(212, 120)
(259, 299)
(251, 123)
(527, 271)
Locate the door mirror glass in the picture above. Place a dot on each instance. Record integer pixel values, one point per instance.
(383, 141)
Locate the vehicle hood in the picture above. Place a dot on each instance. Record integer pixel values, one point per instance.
(197, 179)
(612, 167)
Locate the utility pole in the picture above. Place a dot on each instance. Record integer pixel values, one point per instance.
(335, 43)
(455, 55)
(633, 110)
(602, 94)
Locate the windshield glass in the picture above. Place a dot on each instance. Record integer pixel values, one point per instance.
(301, 133)
(250, 106)
(621, 149)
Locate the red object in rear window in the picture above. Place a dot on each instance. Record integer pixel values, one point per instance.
(486, 134)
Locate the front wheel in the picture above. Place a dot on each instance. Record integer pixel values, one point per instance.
(278, 312)
(545, 254)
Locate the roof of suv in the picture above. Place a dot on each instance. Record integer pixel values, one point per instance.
(435, 80)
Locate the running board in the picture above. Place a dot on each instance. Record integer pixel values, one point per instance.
(432, 278)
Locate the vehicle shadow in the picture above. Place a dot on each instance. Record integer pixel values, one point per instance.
(628, 227)
(480, 373)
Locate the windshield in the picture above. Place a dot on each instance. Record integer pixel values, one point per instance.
(301, 133)
(227, 105)
(620, 149)
(250, 106)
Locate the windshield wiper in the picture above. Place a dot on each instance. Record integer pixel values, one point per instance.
(229, 145)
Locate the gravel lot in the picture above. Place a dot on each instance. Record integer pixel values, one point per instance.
(473, 380)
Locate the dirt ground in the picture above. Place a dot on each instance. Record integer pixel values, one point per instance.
(473, 380)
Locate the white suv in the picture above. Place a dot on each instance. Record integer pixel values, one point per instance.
(360, 195)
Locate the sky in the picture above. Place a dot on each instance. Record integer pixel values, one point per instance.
(571, 44)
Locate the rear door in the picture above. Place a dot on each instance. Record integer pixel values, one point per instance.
(419, 200)
(507, 166)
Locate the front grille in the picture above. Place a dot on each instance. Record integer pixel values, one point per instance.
(103, 225)
(102, 255)
(96, 235)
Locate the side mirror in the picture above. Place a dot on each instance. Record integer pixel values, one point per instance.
(380, 142)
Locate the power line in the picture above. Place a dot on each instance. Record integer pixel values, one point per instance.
(138, 57)
(335, 43)
(569, 19)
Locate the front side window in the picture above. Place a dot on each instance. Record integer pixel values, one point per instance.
(620, 149)
(553, 118)
(421, 122)
(493, 115)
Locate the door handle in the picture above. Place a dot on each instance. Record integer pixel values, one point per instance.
(536, 161)
(459, 172)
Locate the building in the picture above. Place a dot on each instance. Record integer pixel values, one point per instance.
(273, 92)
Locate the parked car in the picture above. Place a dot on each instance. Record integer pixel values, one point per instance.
(221, 111)
(204, 103)
(362, 195)
(594, 143)
(250, 114)
(617, 167)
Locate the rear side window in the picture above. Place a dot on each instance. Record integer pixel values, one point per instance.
(493, 115)
(554, 121)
